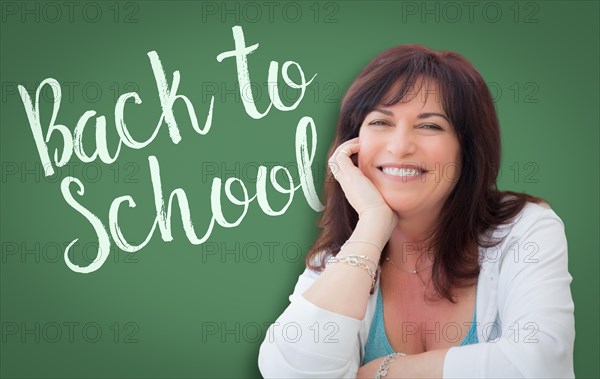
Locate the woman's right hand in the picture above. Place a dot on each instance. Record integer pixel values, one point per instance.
(359, 190)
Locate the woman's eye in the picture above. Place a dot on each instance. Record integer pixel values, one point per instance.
(379, 122)
(430, 126)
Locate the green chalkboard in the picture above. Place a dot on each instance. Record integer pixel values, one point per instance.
(192, 297)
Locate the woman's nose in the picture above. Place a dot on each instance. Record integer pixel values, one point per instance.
(401, 142)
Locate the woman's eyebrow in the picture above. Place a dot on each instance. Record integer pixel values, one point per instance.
(430, 114)
(420, 116)
(387, 113)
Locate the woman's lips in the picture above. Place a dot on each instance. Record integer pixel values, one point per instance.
(402, 173)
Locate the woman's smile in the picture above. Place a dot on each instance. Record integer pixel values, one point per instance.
(403, 172)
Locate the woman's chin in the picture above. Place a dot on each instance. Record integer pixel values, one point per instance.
(402, 208)
(406, 206)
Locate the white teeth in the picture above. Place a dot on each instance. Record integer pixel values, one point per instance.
(401, 171)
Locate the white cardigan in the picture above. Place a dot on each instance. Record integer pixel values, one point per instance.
(525, 320)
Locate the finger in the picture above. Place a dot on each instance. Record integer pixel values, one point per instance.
(350, 141)
(340, 163)
(343, 158)
(344, 150)
(348, 148)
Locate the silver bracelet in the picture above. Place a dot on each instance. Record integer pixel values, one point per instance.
(354, 260)
(362, 241)
(385, 365)
(364, 257)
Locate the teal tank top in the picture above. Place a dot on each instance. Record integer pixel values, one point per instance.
(378, 345)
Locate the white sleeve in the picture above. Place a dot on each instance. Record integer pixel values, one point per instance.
(310, 342)
(535, 309)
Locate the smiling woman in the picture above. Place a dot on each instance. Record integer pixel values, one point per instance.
(420, 270)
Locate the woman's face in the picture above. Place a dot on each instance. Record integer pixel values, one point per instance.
(411, 153)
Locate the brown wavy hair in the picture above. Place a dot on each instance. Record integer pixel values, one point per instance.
(475, 207)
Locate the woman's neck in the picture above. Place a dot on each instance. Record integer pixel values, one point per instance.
(409, 245)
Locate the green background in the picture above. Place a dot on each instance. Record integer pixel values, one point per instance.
(179, 310)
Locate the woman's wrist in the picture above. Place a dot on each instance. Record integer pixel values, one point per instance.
(378, 224)
(381, 210)
(385, 365)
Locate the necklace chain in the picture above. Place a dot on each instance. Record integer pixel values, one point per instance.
(412, 272)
